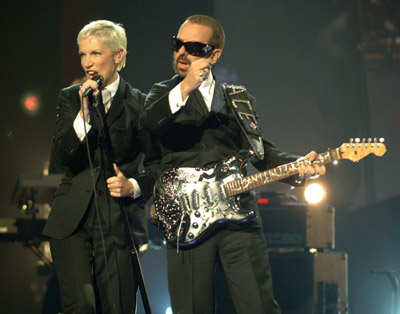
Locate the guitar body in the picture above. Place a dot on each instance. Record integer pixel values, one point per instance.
(190, 203)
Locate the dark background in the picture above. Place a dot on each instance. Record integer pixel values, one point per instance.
(322, 72)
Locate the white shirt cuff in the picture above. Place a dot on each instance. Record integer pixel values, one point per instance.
(79, 128)
(138, 192)
(175, 99)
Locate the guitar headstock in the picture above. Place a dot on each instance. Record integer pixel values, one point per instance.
(357, 149)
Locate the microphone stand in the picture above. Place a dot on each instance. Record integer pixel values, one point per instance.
(98, 123)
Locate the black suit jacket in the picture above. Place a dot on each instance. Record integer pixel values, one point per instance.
(127, 142)
(195, 137)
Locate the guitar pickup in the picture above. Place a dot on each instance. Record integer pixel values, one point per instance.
(222, 191)
(184, 202)
(196, 200)
(209, 198)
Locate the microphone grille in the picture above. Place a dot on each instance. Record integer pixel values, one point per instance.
(98, 79)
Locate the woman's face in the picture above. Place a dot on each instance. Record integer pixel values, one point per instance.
(98, 59)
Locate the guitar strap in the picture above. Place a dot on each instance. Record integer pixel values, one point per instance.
(238, 100)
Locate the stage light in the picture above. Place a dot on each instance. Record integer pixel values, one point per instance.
(168, 310)
(30, 102)
(314, 193)
(10, 134)
(263, 200)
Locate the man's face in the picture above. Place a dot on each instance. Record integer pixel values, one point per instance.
(189, 32)
(97, 58)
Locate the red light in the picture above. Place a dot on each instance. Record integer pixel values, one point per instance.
(31, 103)
(263, 201)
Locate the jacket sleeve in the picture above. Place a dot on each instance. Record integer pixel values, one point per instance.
(156, 116)
(70, 151)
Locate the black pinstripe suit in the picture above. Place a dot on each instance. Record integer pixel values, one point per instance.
(73, 221)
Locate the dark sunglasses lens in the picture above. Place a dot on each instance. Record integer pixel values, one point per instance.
(196, 48)
(192, 47)
(176, 44)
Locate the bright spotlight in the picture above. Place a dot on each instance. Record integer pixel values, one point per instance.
(314, 193)
(168, 310)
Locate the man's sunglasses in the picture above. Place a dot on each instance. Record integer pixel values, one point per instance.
(193, 48)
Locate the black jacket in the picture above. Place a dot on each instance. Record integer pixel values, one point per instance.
(127, 141)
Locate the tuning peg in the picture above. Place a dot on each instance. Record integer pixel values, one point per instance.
(381, 140)
(363, 140)
(357, 140)
(369, 140)
(351, 140)
(375, 139)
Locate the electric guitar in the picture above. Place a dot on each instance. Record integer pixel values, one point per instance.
(190, 203)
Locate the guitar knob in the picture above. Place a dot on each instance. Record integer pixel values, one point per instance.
(190, 235)
(197, 214)
(195, 225)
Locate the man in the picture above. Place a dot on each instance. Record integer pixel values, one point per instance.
(88, 239)
(196, 128)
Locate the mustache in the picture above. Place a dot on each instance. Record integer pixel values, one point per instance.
(183, 59)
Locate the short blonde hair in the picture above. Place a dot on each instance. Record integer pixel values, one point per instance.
(113, 35)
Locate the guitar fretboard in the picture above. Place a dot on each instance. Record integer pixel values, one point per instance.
(256, 180)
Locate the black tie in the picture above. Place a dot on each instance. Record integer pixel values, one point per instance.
(100, 106)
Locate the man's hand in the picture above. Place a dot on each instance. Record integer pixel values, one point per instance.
(119, 185)
(311, 169)
(197, 73)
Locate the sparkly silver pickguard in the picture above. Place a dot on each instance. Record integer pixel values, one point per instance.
(190, 203)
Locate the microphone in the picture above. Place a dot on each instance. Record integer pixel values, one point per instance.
(99, 80)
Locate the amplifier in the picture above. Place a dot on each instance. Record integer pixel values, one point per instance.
(330, 282)
(304, 283)
(310, 283)
(299, 225)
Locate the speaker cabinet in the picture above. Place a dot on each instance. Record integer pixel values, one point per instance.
(310, 283)
(299, 225)
(304, 283)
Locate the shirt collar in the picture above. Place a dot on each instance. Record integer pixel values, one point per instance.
(109, 91)
(207, 85)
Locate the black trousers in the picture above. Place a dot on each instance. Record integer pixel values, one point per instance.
(243, 256)
(95, 276)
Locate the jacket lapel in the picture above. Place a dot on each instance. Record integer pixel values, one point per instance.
(199, 105)
(218, 102)
(117, 104)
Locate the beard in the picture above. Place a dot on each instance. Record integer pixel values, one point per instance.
(175, 62)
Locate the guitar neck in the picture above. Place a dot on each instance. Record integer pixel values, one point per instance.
(256, 180)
